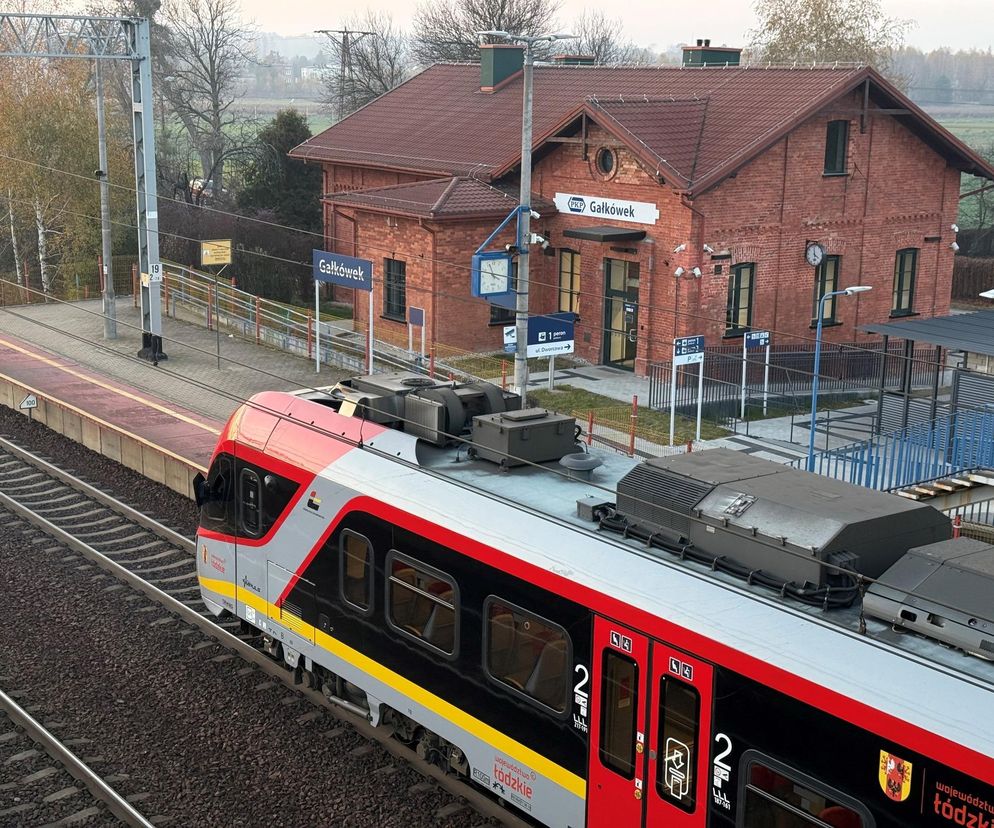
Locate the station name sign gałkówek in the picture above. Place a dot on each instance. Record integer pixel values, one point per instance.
(639, 212)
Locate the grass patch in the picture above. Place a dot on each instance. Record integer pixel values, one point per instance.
(610, 413)
(488, 365)
(754, 410)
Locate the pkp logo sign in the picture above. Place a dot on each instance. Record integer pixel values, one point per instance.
(577, 204)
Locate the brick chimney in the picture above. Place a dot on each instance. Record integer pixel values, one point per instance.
(574, 60)
(498, 61)
(704, 54)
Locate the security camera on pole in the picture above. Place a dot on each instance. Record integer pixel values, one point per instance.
(524, 198)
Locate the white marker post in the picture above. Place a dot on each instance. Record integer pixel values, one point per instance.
(687, 350)
(766, 378)
(317, 327)
(348, 272)
(750, 341)
(369, 358)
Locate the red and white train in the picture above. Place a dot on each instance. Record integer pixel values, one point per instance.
(687, 649)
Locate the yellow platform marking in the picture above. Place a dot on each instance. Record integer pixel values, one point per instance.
(493, 737)
(108, 387)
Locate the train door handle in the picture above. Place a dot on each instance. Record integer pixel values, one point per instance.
(632, 335)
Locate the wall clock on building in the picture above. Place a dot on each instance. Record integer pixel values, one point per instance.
(814, 254)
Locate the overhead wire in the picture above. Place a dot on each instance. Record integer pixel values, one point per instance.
(674, 312)
(826, 597)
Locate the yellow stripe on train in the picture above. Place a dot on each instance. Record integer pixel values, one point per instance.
(460, 718)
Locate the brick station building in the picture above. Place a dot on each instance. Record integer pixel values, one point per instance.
(675, 200)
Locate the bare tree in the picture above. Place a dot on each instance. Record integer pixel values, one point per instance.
(600, 37)
(808, 31)
(206, 49)
(445, 30)
(375, 63)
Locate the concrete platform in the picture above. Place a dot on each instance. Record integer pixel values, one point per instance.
(162, 421)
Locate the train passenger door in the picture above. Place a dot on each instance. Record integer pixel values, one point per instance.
(677, 779)
(616, 778)
(650, 722)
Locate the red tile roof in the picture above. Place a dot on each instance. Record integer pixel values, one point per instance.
(440, 123)
(456, 197)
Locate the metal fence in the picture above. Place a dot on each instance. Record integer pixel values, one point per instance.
(846, 369)
(947, 445)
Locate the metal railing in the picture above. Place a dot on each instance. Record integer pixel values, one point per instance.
(846, 369)
(946, 445)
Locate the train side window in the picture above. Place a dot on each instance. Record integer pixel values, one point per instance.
(679, 711)
(220, 484)
(356, 570)
(250, 497)
(619, 712)
(528, 654)
(279, 491)
(421, 603)
(776, 796)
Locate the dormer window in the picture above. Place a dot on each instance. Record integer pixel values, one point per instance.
(836, 147)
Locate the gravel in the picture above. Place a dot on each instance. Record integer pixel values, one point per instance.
(157, 501)
(197, 735)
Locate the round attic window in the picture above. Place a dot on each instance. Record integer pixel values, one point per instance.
(605, 161)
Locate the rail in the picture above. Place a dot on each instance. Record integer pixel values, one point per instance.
(66, 535)
(73, 765)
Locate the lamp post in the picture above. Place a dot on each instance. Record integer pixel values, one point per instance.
(524, 198)
(814, 381)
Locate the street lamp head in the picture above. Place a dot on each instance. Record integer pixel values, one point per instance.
(987, 294)
(564, 36)
(494, 33)
(858, 289)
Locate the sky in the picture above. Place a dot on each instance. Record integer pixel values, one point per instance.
(959, 24)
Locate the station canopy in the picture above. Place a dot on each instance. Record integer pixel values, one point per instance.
(970, 332)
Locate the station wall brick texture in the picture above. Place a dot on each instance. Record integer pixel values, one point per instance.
(897, 193)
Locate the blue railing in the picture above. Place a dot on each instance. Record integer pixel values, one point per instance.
(925, 451)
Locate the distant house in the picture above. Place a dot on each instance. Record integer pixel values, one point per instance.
(641, 173)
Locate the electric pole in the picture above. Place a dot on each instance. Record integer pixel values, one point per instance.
(346, 77)
(109, 298)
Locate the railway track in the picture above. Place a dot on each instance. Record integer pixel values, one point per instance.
(45, 791)
(154, 560)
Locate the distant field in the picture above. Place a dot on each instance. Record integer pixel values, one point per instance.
(977, 132)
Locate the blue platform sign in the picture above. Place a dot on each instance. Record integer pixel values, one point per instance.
(416, 316)
(757, 339)
(688, 350)
(344, 271)
(551, 334)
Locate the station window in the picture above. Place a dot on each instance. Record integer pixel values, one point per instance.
(528, 654)
(836, 147)
(422, 603)
(356, 556)
(679, 711)
(778, 796)
(826, 281)
(395, 289)
(619, 713)
(569, 281)
(738, 318)
(905, 270)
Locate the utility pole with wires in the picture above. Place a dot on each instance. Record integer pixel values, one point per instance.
(345, 40)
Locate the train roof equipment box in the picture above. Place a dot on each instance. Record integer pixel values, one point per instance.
(768, 516)
(943, 591)
(531, 435)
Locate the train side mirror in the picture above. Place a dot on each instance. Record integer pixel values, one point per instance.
(201, 494)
